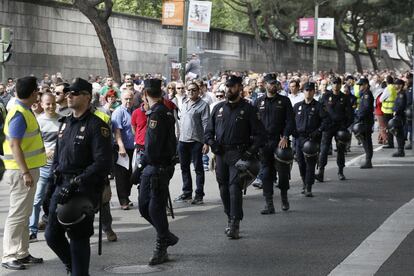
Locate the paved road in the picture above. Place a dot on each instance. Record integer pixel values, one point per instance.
(313, 238)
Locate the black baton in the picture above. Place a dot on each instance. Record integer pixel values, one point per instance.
(170, 205)
(100, 228)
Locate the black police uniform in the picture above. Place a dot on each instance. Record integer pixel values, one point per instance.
(341, 115)
(400, 105)
(276, 114)
(311, 120)
(160, 148)
(409, 124)
(365, 116)
(82, 153)
(233, 129)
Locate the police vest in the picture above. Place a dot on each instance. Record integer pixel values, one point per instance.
(357, 94)
(31, 144)
(103, 116)
(388, 104)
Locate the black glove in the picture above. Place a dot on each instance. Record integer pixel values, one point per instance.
(216, 149)
(50, 189)
(315, 135)
(68, 190)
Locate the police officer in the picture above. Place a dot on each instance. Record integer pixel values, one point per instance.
(277, 115)
(365, 117)
(339, 108)
(157, 161)
(234, 132)
(400, 105)
(82, 162)
(311, 119)
(409, 111)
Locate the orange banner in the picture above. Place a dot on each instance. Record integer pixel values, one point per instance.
(371, 40)
(173, 14)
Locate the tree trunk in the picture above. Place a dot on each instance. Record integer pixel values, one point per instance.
(373, 59)
(357, 58)
(340, 49)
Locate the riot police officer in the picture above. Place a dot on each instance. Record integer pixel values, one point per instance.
(339, 108)
(365, 121)
(311, 120)
(234, 132)
(409, 112)
(277, 115)
(400, 105)
(81, 164)
(157, 163)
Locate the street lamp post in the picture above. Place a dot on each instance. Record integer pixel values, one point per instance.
(315, 40)
(183, 55)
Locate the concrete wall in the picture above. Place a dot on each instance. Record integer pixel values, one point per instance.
(56, 37)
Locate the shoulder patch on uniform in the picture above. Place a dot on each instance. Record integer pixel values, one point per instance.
(105, 132)
(153, 124)
(401, 95)
(366, 96)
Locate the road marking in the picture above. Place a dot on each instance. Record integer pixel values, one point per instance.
(356, 159)
(368, 257)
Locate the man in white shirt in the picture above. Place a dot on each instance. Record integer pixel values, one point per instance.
(295, 95)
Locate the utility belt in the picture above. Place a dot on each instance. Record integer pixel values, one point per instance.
(239, 147)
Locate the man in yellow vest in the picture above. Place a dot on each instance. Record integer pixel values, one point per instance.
(24, 153)
(387, 99)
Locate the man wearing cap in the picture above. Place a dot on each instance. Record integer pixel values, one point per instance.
(311, 119)
(157, 165)
(341, 114)
(365, 116)
(24, 154)
(82, 162)
(276, 113)
(233, 132)
(400, 105)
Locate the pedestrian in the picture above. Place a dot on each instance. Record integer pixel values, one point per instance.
(387, 100)
(365, 117)
(61, 101)
(24, 154)
(82, 162)
(295, 95)
(311, 120)
(341, 114)
(124, 139)
(277, 115)
(49, 127)
(157, 169)
(234, 132)
(195, 114)
(400, 105)
(409, 111)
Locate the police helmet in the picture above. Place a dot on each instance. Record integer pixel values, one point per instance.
(358, 129)
(248, 169)
(343, 136)
(310, 148)
(409, 113)
(284, 155)
(394, 125)
(75, 210)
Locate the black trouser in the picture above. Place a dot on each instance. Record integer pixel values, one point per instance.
(366, 140)
(400, 139)
(229, 183)
(390, 137)
(326, 143)
(123, 180)
(76, 253)
(152, 199)
(192, 152)
(270, 167)
(306, 165)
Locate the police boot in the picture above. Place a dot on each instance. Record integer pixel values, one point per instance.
(171, 239)
(319, 175)
(285, 202)
(308, 192)
(303, 186)
(399, 153)
(160, 252)
(234, 229)
(366, 165)
(341, 175)
(227, 228)
(269, 207)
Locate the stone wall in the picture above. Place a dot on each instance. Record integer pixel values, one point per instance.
(57, 38)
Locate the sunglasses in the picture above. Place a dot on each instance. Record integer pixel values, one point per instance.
(219, 96)
(193, 90)
(58, 93)
(76, 93)
(179, 88)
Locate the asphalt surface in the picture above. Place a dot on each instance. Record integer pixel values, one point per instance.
(312, 238)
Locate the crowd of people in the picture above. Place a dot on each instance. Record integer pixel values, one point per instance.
(148, 124)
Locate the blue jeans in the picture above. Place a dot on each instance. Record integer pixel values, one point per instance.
(192, 152)
(37, 204)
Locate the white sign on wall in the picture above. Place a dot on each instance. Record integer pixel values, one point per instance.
(326, 28)
(199, 16)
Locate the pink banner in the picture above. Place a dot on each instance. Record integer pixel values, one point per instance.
(306, 27)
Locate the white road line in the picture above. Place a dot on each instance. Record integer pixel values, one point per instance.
(368, 257)
(359, 157)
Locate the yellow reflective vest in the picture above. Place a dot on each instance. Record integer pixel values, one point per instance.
(357, 94)
(31, 144)
(388, 104)
(103, 116)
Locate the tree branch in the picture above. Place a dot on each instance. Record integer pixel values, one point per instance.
(233, 7)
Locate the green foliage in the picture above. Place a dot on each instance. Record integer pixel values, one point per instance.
(224, 17)
(149, 8)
